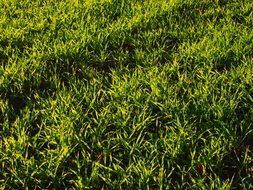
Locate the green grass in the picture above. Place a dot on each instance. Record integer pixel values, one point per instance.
(126, 94)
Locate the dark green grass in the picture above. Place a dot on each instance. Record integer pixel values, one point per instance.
(114, 94)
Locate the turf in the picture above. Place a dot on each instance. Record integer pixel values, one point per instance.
(126, 94)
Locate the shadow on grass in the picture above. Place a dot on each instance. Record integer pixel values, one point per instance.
(20, 97)
(234, 165)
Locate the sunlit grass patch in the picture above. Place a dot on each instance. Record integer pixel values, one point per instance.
(110, 94)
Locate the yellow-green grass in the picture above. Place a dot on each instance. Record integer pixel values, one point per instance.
(126, 94)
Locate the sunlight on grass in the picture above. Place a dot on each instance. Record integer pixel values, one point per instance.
(115, 94)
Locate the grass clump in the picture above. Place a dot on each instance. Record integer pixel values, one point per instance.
(110, 94)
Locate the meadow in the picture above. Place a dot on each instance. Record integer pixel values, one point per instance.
(126, 94)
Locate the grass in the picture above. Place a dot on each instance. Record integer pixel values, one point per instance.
(114, 94)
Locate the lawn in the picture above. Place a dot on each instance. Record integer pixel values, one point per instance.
(126, 94)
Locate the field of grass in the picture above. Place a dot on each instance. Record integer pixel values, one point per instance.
(126, 94)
